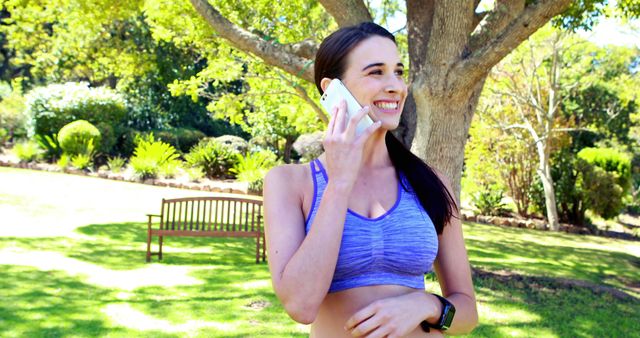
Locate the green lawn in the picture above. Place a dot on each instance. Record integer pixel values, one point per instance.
(72, 264)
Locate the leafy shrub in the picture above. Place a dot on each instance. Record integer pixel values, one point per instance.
(601, 192)
(150, 155)
(126, 143)
(4, 136)
(115, 164)
(169, 169)
(75, 137)
(212, 157)
(81, 161)
(195, 174)
(309, 146)
(50, 145)
(64, 161)
(13, 118)
(182, 139)
(489, 201)
(50, 108)
(610, 160)
(235, 143)
(253, 167)
(27, 151)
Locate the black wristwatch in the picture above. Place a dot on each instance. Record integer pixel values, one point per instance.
(448, 311)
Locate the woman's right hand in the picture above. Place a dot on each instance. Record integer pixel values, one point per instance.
(343, 148)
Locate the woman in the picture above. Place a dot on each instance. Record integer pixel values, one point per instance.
(351, 234)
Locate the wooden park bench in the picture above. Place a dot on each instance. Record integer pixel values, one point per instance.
(208, 217)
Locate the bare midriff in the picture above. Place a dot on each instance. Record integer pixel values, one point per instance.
(338, 307)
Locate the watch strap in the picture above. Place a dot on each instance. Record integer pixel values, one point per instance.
(446, 317)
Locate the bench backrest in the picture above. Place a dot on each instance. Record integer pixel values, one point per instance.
(211, 214)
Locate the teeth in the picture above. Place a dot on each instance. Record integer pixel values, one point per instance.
(387, 105)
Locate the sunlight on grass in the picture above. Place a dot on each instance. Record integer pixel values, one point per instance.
(153, 274)
(125, 315)
(75, 267)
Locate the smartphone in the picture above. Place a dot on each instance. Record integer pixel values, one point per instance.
(332, 97)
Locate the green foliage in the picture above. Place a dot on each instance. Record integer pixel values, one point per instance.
(253, 167)
(4, 136)
(64, 161)
(169, 169)
(182, 139)
(584, 14)
(76, 137)
(603, 111)
(610, 160)
(488, 201)
(600, 191)
(581, 185)
(150, 155)
(27, 151)
(195, 174)
(12, 110)
(212, 157)
(51, 146)
(115, 164)
(53, 106)
(81, 161)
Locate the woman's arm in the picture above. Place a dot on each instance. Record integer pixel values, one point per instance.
(454, 275)
(301, 268)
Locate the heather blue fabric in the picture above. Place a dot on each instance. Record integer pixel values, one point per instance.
(397, 248)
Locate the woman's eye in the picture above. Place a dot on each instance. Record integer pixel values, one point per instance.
(376, 72)
(400, 72)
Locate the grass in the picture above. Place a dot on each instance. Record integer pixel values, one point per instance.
(72, 264)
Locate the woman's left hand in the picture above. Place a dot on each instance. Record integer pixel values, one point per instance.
(388, 317)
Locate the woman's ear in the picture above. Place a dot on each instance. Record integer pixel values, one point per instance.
(324, 83)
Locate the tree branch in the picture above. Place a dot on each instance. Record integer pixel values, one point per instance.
(347, 12)
(272, 54)
(534, 16)
(477, 18)
(306, 48)
(496, 20)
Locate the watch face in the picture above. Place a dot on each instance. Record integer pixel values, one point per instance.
(447, 316)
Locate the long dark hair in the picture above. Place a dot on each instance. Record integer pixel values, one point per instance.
(330, 62)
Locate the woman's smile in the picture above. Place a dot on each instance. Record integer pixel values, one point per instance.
(390, 107)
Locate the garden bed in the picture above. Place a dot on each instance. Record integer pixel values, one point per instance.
(219, 186)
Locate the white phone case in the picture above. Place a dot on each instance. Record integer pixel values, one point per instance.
(338, 91)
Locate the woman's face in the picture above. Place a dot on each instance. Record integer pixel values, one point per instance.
(373, 74)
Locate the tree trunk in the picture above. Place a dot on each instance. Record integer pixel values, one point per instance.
(544, 172)
(288, 146)
(443, 128)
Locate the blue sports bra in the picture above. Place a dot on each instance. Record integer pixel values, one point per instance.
(397, 248)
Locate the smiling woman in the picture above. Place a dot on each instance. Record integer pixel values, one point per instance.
(351, 235)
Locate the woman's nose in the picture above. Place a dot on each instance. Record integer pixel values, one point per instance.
(394, 85)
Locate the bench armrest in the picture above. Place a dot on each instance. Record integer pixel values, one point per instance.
(153, 215)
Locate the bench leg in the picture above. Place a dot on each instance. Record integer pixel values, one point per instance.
(149, 246)
(258, 249)
(160, 251)
(264, 248)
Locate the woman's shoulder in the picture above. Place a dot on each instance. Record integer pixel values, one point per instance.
(289, 177)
